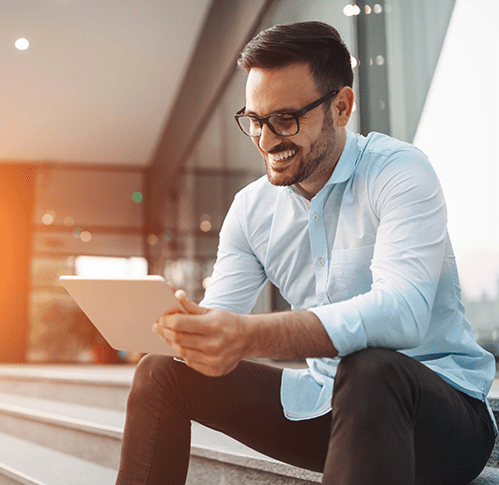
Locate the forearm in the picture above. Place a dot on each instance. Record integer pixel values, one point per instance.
(287, 335)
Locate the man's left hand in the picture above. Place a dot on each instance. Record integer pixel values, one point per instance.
(210, 341)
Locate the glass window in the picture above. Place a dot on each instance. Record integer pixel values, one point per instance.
(331, 12)
(100, 267)
(60, 331)
(457, 131)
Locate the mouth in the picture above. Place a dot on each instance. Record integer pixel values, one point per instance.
(282, 156)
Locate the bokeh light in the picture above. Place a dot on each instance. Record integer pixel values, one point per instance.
(205, 226)
(86, 236)
(206, 282)
(137, 197)
(152, 239)
(349, 10)
(48, 218)
(22, 44)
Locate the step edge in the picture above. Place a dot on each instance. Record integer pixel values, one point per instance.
(264, 464)
(62, 421)
(20, 477)
(81, 381)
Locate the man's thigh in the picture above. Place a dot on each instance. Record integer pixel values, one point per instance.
(246, 405)
(391, 410)
(453, 433)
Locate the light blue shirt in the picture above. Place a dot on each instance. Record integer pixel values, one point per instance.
(370, 255)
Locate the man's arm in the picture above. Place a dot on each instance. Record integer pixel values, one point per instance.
(214, 341)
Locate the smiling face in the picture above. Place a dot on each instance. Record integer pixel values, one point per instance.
(307, 159)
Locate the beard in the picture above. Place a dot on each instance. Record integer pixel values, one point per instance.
(312, 166)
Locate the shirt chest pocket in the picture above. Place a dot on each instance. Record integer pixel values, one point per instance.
(350, 272)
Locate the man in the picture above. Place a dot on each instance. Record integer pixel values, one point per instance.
(352, 230)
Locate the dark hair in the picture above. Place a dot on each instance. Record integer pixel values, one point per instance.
(315, 43)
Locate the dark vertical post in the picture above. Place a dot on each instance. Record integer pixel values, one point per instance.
(373, 69)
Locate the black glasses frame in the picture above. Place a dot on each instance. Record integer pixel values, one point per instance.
(295, 114)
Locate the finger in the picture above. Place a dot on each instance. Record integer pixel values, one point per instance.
(189, 305)
(189, 324)
(208, 365)
(162, 332)
(172, 286)
(169, 337)
(197, 343)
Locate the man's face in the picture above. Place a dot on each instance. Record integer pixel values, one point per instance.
(307, 158)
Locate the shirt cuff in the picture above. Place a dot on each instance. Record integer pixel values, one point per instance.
(344, 326)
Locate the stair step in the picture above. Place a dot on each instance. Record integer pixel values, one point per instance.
(99, 386)
(89, 433)
(94, 435)
(489, 476)
(77, 426)
(23, 462)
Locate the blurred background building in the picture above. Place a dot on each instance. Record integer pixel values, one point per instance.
(119, 154)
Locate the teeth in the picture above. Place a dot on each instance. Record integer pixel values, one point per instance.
(278, 157)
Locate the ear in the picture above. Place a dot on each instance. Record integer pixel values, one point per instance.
(342, 106)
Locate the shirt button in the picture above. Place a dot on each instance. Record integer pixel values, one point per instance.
(321, 262)
(315, 217)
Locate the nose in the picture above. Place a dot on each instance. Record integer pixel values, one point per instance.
(268, 140)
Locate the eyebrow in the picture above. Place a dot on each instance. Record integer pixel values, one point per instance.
(277, 112)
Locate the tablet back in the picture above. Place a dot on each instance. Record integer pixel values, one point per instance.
(124, 310)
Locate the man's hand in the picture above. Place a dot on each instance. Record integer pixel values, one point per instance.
(210, 341)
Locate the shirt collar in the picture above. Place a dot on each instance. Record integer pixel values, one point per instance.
(345, 166)
(346, 163)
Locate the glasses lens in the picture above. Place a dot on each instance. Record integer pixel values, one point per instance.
(284, 124)
(249, 125)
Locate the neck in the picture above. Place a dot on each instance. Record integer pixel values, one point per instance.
(310, 187)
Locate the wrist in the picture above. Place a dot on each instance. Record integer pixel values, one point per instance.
(249, 335)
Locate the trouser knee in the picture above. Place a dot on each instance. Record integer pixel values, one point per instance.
(367, 364)
(153, 376)
(369, 377)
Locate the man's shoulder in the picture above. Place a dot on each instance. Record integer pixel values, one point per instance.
(381, 152)
(385, 145)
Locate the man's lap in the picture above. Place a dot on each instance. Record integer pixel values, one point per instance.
(245, 404)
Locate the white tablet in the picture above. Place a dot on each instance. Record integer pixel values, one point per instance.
(124, 310)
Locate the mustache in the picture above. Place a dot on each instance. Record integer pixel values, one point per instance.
(283, 148)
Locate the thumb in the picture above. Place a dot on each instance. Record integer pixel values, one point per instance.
(189, 305)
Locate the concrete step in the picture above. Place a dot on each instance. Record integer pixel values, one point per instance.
(22, 462)
(63, 426)
(493, 398)
(490, 476)
(85, 432)
(94, 435)
(90, 385)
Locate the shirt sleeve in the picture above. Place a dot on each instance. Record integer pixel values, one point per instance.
(238, 275)
(406, 197)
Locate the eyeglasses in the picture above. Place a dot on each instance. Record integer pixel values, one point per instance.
(281, 124)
